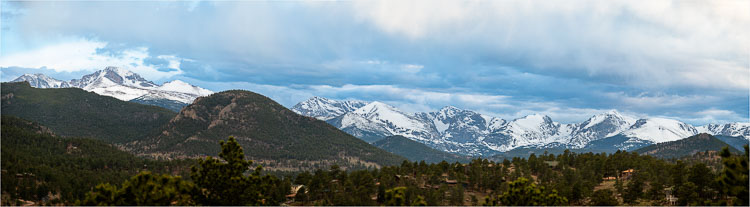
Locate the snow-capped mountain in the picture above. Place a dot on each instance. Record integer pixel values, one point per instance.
(41, 81)
(599, 126)
(377, 120)
(651, 131)
(660, 130)
(325, 109)
(466, 132)
(112, 76)
(127, 86)
(730, 129)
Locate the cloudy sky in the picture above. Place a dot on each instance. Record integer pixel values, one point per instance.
(688, 60)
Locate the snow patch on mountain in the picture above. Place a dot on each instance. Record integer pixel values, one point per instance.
(326, 109)
(41, 81)
(124, 85)
(466, 132)
(658, 130)
(729, 129)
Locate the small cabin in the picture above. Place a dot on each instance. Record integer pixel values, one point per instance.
(552, 163)
(625, 175)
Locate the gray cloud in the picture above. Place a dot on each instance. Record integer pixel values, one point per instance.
(666, 58)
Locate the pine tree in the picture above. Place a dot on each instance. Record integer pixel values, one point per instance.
(522, 192)
(734, 176)
(396, 197)
(143, 189)
(635, 189)
(224, 183)
(603, 197)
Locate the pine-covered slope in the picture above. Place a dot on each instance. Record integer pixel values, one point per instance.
(75, 112)
(270, 133)
(685, 147)
(68, 167)
(416, 151)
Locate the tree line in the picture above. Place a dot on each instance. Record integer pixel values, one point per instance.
(564, 179)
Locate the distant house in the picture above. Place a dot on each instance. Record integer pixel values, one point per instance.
(552, 163)
(610, 178)
(669, 197)
(625, 175)
(450, 182)
(294, 189)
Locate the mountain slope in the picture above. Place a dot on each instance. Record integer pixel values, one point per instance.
(685, 147)
(660, 130)
(75, 112)
(416, 151)
(68, 166)
(599, 126)
(376, 120)
(271, 134)
(326, 109)
(736, 142)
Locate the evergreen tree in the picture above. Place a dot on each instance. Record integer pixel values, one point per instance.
(396, 197)
(224, 182)
(635, 189)
(143, 189)
(734, 176)
(603, 197)
(522, 192)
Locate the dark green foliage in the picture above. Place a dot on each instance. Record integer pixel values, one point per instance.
(734, 177)
(217, 182)
(603, 197)
(522, 192)
(634, 188)
(270, 133)
(143, 189)
(75, 112)
(416, 151)
(656, 190)
(223, 182)
(684, 147)
(396, 197)
(35, 163)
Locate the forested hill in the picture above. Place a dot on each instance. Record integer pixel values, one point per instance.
(685, 147)
(416, 151)
(75, 112)
(271, 134)
(37, 165)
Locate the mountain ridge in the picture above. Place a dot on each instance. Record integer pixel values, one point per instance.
(466, 132)
(273, 135)
(125, 85)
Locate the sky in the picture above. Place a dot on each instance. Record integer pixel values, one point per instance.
(687, 60)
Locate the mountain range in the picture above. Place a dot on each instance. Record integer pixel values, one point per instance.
(467, 132)
(271, 134)
(449, 129)
(125, 85)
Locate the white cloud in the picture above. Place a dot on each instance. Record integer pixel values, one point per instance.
(646, 44)
(81, 55)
